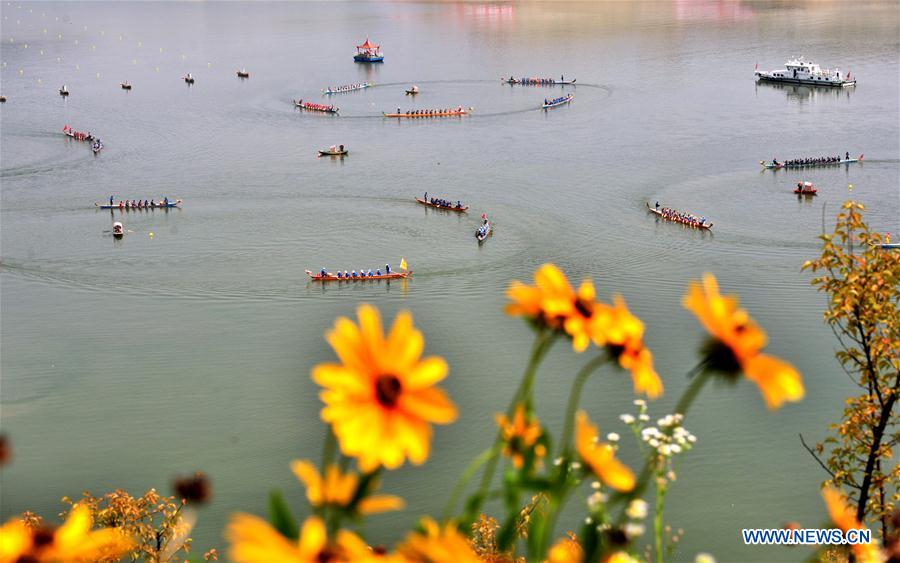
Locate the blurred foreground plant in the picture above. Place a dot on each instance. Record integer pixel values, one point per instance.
(862, 282)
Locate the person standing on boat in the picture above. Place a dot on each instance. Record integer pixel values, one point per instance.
(323, 272)
(110, 201)
(847, 155)
(387, 269)
(657, 205)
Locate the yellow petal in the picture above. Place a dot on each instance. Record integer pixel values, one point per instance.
(429, 404)
(426, 373)
(380, 503)
(15, 540)
(253, 540)
(309, 476)
(312, 538)
(404, 343)
(778, 380)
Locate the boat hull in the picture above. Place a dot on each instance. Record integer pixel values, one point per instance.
(658, 213)
(419, 115)
(337, 153)
(368, 59)
(462, 209)
(769, 165)
(331, 277)
(534, 83)
(328, 91)
(559, 103)
(123, 208)
(806, 81)
(482, 237)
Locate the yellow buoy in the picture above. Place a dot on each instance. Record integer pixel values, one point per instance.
(849, 187)
(150, 235)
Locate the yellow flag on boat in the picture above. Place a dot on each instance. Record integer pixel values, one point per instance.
(403, 264)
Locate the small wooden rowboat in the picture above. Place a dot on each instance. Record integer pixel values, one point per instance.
(333, 277)
(561, 101)
(810, 165)
(806, 188)
(344, 152)
(97, 146)
(481, 234)
(437, 114)
(462, 209)
(412, 91)
(243, 74)
(121, 205)
(188, 79)
(63, 92)
(705, 226)
(2, 99)
(126, 86)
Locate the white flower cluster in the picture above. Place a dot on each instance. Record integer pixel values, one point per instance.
(672, 439)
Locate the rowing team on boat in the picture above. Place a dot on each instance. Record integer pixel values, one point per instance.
(557, 101)
(812, 161)
(97, 146)
(531, 80)
(427, 112)
(77, 135)
(353, 274)
(138, 204)
(347, 88)
(316, 107)
(681, 217)
(443, 202)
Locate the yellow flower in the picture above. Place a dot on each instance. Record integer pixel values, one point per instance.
(620, 557)
(337, 489)
(623, 334)
(601, 457)
(739, 341)
(844, 518)
(520, 434)
(437, 545)
(73, 541)
(566, 550)
(253, 540)
(553, 303)
(15, 540)
(381, 398)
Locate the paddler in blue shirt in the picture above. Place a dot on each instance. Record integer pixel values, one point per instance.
(387, 269)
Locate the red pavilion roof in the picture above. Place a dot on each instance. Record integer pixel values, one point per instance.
(368, 45)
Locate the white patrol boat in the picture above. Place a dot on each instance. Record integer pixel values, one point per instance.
(798, 71)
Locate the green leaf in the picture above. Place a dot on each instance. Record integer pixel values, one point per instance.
(281, 516)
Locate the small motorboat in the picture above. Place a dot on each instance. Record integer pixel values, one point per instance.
(805, 188)
(243, 73)
(484, 230)
(63, 91)
(118, 229)
(334, 151)
(188, 78)
(126, 85)
(412, 91)
(97, 146)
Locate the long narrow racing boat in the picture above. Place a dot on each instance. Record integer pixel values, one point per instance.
(462, 209)
(811, 164)
(77, 135)
(329, 276)
(431, 114)
(537, 81)
(347, 88)
(675, 219)
(316, 107)
(558, 101)
(121, 205)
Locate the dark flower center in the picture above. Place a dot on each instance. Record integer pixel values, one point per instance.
(586, 308)
(719, 357)
(387, 390)
(43, 536)
(327, 555)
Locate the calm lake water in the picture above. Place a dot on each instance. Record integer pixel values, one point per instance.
(127, 362)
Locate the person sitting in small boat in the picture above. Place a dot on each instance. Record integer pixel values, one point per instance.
(775, 161)
(458, 204)
(341, 148)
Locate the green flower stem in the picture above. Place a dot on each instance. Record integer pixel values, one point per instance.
(658, 517)
(542, 343)
(574, 399)
(702, 375)
(473, 466)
